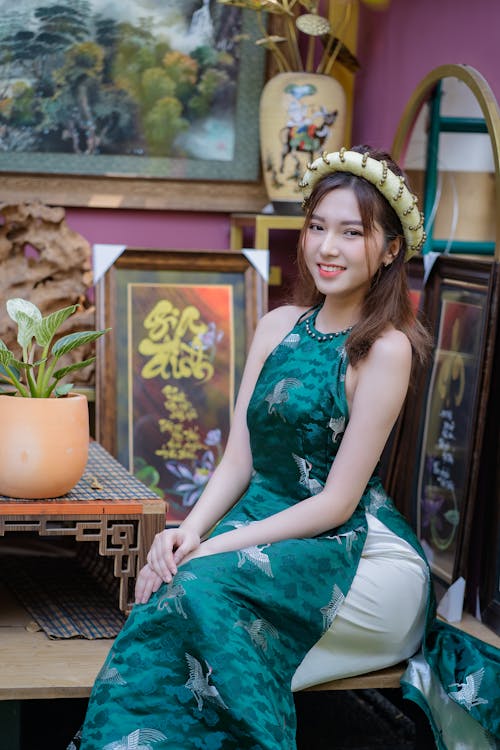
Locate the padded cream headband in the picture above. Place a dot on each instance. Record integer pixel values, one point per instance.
(392, 186)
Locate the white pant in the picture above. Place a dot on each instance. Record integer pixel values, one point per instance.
(381, 621)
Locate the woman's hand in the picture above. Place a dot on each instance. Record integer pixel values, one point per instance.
(168, 550)
(146, 584)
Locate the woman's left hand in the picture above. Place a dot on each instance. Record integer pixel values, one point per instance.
(148, 581)
(146, 584)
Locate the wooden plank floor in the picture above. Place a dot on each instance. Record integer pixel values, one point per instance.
(33, 666)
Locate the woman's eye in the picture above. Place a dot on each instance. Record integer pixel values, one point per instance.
(315, 227)
(354, 232)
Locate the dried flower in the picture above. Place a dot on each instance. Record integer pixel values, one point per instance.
(301, 17)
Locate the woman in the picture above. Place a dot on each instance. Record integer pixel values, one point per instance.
(294, 540)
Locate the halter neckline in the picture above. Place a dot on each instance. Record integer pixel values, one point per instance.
(312, 331)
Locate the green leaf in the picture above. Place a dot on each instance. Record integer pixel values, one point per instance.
(71, 368)
(72, 340)
(27, 316)
(63, 390)
(17, 305)
(6, 357)
(47, 327)
(7, 360)
(26, 329)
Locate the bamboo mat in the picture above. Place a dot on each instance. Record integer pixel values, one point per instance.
(61, 596)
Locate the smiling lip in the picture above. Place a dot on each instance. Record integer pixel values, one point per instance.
(329, 271)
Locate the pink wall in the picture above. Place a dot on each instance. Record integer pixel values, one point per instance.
(397, 48)
(151, 229)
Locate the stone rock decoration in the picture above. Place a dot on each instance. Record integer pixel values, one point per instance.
(46, 262)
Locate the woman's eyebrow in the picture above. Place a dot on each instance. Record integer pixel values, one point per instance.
(317, 217)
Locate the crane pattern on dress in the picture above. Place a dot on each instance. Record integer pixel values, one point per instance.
(279, 394)
(257, 557)
(139, 739)
(260, 632)
(175, 591)
(311, 484)
(198, 683)
(111, 675)
(467, 693)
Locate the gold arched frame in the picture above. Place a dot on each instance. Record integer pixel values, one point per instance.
(489, 108)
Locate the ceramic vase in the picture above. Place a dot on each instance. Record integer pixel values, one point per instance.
(44, 446)
(301, 116)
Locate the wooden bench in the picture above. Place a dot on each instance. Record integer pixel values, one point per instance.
(35, 667)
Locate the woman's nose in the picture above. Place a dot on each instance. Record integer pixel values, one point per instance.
(329, 245)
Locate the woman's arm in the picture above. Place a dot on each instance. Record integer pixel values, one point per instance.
(380, 386)
(232, 475)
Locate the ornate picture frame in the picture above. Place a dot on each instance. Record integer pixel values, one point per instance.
(168, 373)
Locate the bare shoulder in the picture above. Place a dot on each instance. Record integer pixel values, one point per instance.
(393, 348)
(274, 325)
(387, 365)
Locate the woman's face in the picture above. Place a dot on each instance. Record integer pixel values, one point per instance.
(339, 256)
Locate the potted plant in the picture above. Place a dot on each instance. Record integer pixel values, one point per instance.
(45, 426)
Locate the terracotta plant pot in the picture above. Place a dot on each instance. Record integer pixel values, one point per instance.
(44, 446)
(301, 116)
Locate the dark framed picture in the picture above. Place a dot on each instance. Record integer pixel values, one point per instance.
(486, 565)
(484, 557)
(156, 91)
(444, 416)
(167, 376)
(415, 274)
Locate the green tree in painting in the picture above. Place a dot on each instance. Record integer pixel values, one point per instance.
(160, 81)
(80, 76)
(162, 124)
(67, 100)
(84, 83)
(30, 54)
(32, 51)
(211, 82)
(84, 109)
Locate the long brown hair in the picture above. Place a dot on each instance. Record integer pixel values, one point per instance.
(387, 300)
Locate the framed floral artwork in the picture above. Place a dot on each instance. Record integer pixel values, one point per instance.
(167, 376)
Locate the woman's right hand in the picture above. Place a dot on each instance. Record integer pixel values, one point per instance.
(169, 549)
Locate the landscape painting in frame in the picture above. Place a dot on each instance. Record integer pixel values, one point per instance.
(167, 378)
(129, 88)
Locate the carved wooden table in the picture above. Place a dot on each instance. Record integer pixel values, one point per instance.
(108, 506)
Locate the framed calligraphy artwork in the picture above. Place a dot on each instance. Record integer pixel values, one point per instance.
(167, 376)
(443, 419)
